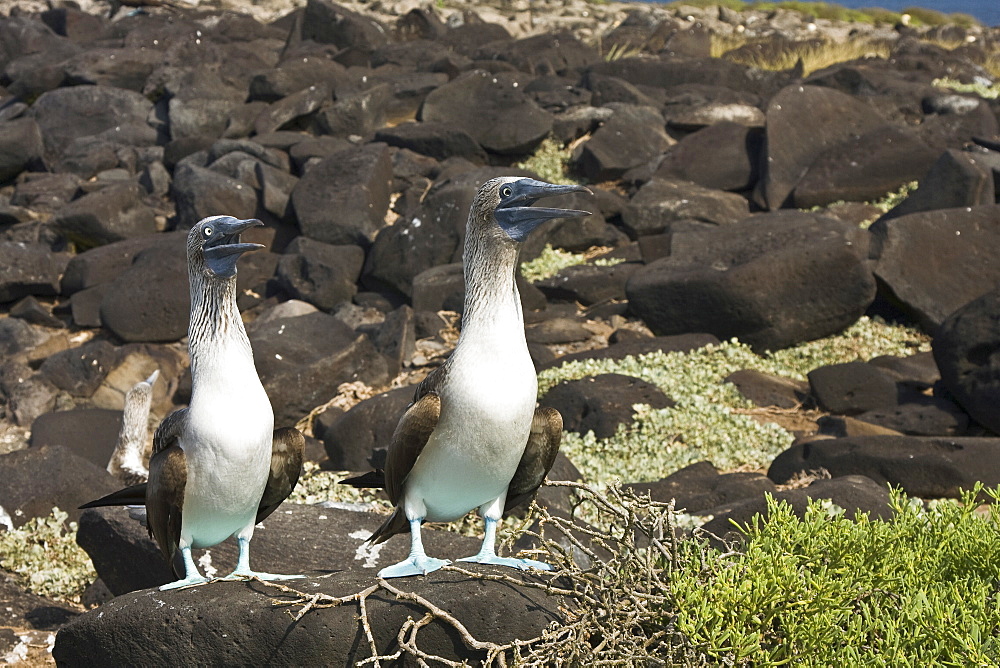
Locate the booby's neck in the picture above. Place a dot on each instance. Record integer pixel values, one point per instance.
(216, 326)
(492, 301)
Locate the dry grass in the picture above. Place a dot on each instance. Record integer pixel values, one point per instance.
(767, 54)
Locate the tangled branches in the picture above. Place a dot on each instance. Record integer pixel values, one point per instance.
(616, 611)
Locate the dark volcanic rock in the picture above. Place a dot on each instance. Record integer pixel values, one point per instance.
(660, 203)
(854, 493)
(925, 467)
(765, 390)
(588, 284)
(438, 140)
(921, 415)
(151, 300)
(322, 274)
(240, 622)
(20, 147)
(75, 112)
(22, 610)
(500, 117)
(601, 403)
(966, 350)
(772, 281)
(957, 179)
(352, 438)
(560, 53)
(698, 487)
(851, 388)
(792, 145)
(932, 263)
(343, 199)
(556, 330)
(200, 192)
(29, 269)
(294, 539)
(80, 370)
(302, 360)
(633, 136)
(328, 23)
(90, 433)
(723, 156)
(108, 215)
(39, 479)
(105, 263)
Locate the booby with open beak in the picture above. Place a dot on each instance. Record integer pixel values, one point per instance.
(218, 467)
(473, 438)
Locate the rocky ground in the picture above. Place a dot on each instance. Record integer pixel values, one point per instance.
(730, 201)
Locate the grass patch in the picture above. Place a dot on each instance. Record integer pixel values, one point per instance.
(45, 559)
(826, 590)
(706, 423)
(767, 54)
(550, 162)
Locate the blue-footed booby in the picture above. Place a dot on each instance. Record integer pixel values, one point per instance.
(128, 461)
(218, 467)
(473, 438)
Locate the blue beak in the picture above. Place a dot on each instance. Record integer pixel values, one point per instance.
(518, 218)
(224, 248)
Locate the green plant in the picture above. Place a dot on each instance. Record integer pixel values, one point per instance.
(980, 88)
(550, 162)
(44, 557)
(827, 590)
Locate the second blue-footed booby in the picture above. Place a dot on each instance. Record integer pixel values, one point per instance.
(128, 461)
(473, 438)
(217, 467)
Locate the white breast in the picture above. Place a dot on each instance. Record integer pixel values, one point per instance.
(227, 446)
(487, 404)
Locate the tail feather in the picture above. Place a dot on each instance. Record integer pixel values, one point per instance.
(394, 524)
(130, 496)
(371, 480)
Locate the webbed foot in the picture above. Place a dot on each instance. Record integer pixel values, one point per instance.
(189, 581)
(246, 575)
(520, 564)
(414, 565)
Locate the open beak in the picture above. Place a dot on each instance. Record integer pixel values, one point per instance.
(518, 218)
(224, 248)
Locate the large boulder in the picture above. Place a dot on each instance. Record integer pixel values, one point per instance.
(239, 622)
(151, 300)
(29, 269)
(40, 479)
(296, 538)
(111, 214)
(633, 136)
(722, 156)
(700, 486)
(351, 439)
(343, 199)
(497, 114)
(934, 262)
(923, 466)
(965, 348)
(772, 281)
(793, 145)
(601, 403)
(302, 361)
(660, 204)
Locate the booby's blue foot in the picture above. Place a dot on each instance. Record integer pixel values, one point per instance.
(520, 564)
(414, 565)
(189, 581)
(246, 575)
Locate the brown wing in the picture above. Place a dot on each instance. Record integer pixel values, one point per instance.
(169, 430)
(408, 441)
(539, 455)
(287, 452)
(165, 499)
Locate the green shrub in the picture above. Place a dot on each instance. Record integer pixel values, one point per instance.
(919, 590)
(45, 559)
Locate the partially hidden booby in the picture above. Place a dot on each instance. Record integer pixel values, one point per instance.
(473, 438)
(128, 461)
(218, 467)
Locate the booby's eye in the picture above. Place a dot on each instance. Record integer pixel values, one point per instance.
(506, 191)
(208, 231)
